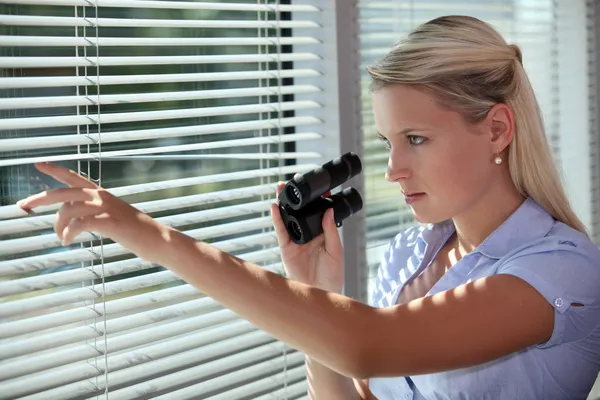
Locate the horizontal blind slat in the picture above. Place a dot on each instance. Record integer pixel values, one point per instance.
(55, 62)
(42, 142)
(67, 101)
(144, 153)
(177, 5)
(35, 20)
(66, 41)
(61, 81)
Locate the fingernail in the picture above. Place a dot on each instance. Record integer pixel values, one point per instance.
(21, 203)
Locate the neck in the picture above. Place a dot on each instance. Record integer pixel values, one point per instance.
(485, 215)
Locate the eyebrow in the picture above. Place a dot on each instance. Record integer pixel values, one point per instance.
(403, 131)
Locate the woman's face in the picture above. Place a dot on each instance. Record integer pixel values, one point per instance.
(442, 163)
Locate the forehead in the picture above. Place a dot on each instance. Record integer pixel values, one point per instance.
(407, 104)
(396, 107)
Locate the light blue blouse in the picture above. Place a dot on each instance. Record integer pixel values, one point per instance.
(558, 261)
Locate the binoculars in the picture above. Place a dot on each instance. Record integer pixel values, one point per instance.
(301, 203)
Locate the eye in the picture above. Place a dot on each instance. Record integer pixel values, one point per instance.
(388, 145)
(415, 140)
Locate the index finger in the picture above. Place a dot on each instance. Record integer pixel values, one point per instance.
(61, 195)
(66, 176)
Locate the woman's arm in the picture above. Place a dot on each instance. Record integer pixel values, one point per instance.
(466, 326)
(469, 325)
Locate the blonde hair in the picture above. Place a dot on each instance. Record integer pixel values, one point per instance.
(469, 67)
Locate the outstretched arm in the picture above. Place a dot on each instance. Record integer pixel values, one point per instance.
(469, 325)
(466, 326)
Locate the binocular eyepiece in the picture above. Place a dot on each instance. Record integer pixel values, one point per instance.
(301, 203)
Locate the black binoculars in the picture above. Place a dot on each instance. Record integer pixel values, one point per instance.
(302, 205)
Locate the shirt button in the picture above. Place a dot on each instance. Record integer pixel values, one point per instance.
(558, 302)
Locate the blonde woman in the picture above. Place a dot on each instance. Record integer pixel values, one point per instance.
(496, 297)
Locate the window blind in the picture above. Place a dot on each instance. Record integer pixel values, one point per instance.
(190, 111)
(531, 24)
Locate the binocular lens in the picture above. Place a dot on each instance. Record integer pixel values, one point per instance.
(294, 231)
(303, 189)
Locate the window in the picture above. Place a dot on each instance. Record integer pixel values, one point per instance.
(191, 111)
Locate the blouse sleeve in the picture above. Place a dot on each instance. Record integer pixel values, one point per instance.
(567, 274)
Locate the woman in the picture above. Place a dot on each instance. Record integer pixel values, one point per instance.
(496, 298)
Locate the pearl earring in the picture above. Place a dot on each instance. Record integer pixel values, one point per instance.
(498, 159)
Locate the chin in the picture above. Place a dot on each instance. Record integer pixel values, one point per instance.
(424, 217)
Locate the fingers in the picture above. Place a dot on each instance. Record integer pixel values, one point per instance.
(82, 224)
(70, 211)
(282, 236)
(66, 176)
(333, 242)
(53, 196)
(280, 186)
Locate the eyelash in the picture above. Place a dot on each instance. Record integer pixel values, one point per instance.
(388, 145)
(409, 138)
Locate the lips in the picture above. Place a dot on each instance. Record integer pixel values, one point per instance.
(412, 194)
(412, 197)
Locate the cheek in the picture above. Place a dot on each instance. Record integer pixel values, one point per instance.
(459, 173)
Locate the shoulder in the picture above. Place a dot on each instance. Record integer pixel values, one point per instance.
(561, 248)
(564, 267)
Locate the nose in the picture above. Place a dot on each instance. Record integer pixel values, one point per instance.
(397, 169)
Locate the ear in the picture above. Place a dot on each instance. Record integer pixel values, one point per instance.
(500, 126)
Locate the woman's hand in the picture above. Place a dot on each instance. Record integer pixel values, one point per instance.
(317, 263)
(89, 208)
